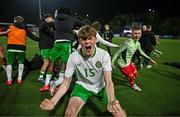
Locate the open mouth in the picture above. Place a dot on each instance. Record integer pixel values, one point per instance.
(88, 48)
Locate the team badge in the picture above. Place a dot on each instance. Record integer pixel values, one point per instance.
(98, 64)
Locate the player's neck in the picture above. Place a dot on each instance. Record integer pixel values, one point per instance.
(87, 56)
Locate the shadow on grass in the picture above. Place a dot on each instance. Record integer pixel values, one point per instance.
(119, 79)
(167, 74)
(10, 97)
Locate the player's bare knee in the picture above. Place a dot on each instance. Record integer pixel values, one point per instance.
(70, 113)
(46, 63)
(136, 74)
(131, 76)
(1, 55)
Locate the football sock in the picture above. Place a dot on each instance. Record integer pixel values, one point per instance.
(20, 71)
(9, 72)
(48, 77)
(41, 74)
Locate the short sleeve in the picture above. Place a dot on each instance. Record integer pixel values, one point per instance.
(69, 68)
(107, 62)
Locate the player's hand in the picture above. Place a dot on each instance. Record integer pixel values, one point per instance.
(117, 46)
(47, 105)
(114, 107)
(52, 20)
(154, 62)
(7, 30)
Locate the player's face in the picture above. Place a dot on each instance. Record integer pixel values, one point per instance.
(136, 34)
(87, 45)
(49, 19)
(106, 27)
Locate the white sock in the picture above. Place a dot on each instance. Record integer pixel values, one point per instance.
(41, 74)
(9, 72)
(60, 79)
(20, 71)
(48, 78)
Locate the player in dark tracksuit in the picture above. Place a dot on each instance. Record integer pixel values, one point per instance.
(149, 42)
(64, 25)
(46, 41)
(108, 35)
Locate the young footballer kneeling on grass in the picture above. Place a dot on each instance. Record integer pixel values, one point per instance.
(93, 68)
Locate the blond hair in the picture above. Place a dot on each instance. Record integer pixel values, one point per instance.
(19, 18)
(96, 25)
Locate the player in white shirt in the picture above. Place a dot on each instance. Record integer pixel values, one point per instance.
(93, 68)
(55, 83)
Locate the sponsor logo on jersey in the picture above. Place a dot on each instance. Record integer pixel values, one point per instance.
(78, 64)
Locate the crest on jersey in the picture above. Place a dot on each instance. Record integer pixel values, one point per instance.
(98, 64)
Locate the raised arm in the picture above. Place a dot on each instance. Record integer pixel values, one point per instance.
(4, 32)
(31, 35)
(101, 40)
(122, 47)
(47, 28)
(146, 56)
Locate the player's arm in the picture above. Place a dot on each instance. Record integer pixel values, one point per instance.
(101, 40)
(113, 104)
(121, 49)
(154, 42)
(109, 86)
(31, 35)
(4, 32)
(146, 56)
(63, 88)
(45, 28)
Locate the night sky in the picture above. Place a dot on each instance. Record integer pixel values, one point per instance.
(96, 9)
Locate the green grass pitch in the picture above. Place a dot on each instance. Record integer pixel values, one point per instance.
(160, 85)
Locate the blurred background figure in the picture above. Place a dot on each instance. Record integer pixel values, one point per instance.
(148, 44)
(108, 35)
(46, 42)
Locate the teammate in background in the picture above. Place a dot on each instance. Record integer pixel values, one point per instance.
(16, 47)
(108, 35)
(124, 56)
(141, 40)
(149, 44)
(2, 57)
(97, 26)
(46, 42)
(4, 32)
(93, 68)
(64, 25)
